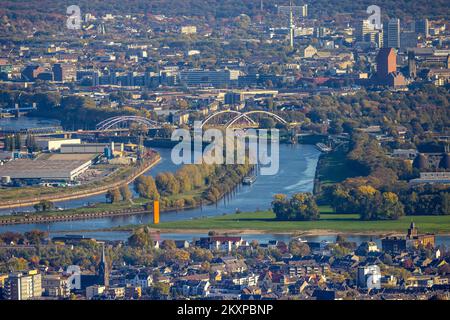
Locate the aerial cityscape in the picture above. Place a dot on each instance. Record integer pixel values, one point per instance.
(224, 150)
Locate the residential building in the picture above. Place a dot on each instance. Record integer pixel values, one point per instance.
(55, 285)
(94, 291)
(369, 277)
(23, 286)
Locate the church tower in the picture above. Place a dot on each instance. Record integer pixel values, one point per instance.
(412, 67)
(412, 231)
(103, 270)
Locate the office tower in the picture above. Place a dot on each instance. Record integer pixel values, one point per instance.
(23, 286)
(304, 10)
(412, 67)
(421, 27)
(386, 62)
(219, 78)
(365, 32)
(408, 39)
(362, 29)
(392, 34)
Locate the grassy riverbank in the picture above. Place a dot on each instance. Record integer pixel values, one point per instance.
(348, 223)
(334, 167)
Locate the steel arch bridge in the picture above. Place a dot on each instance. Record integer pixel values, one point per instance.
(111, 122)
(242, 115)
(215, 115)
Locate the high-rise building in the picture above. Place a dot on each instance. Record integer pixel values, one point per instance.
(362, 28)
(408, 40)
(391, 34)
(23, 286)
(64, 72)
(387, 74)
(366, 33)
(386, 62)
(422, 27)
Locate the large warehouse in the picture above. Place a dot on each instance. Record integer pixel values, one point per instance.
(47, 170)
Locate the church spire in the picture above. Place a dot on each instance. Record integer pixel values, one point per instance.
(103, 270)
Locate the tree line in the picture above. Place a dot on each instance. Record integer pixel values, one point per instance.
(189, 186)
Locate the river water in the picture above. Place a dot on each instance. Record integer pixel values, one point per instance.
(296, 174)
(26, 123)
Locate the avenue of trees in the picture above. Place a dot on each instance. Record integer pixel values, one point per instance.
(191, 185)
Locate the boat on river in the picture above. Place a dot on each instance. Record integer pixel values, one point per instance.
(248, 180)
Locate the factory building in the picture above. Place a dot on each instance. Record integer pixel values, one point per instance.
(90, 147)
(52, 144)
(43, 170)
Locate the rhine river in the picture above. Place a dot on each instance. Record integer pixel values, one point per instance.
(296, 174)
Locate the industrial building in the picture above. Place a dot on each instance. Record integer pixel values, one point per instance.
(90, 147)
(52, 144)
(46, 170)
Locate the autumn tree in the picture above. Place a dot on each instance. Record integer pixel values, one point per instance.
(146, 188)
(113, 195)
(298, 248)
(141, 238)
(125, 193)
(36, 236)
(302, 206)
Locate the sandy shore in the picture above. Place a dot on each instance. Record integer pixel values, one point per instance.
(311, 233)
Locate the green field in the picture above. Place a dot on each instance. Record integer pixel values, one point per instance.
(264, 220)
(334, 167)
